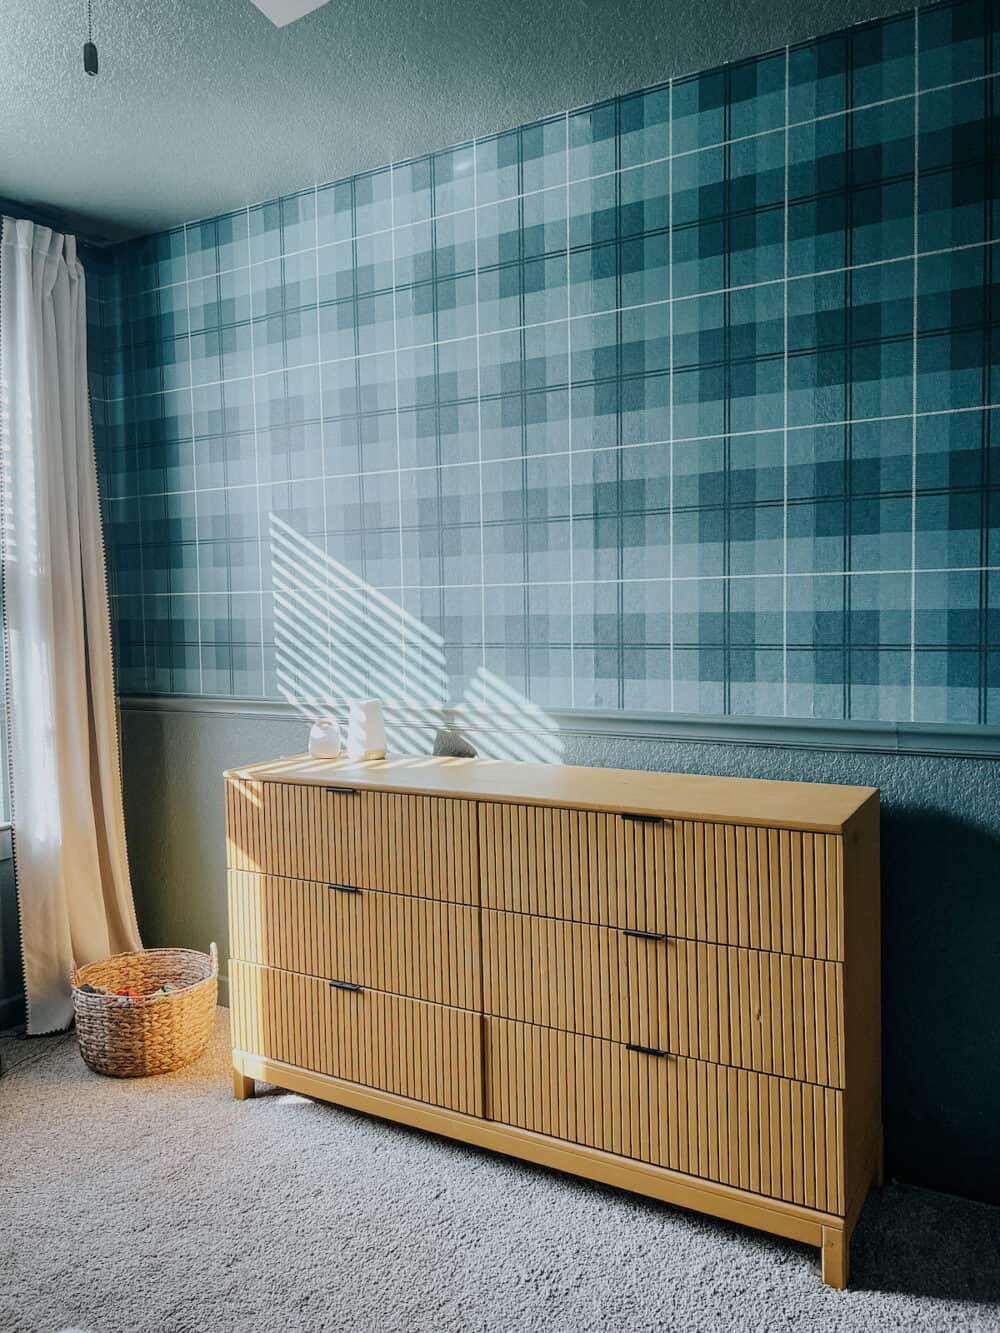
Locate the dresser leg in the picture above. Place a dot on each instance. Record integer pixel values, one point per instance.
(243, 1087)
(836, 1257)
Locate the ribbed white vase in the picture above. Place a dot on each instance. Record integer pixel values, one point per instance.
(365, 729)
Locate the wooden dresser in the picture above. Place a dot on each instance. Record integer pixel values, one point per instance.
(665, 983)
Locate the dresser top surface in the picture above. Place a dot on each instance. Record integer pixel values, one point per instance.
(814, 806)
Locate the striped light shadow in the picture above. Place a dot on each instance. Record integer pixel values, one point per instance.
(336, 638)
(506, 724)
(372, 646)
(327, 648)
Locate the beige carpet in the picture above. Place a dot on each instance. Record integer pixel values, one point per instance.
(163, 1206)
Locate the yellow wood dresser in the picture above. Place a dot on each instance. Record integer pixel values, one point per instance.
(666, 983)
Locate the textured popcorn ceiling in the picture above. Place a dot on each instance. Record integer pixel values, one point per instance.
(203, 105)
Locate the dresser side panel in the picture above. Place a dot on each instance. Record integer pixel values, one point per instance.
(862, 999)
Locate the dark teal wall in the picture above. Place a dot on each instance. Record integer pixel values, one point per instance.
(11, 981)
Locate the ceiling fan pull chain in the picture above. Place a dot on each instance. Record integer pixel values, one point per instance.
(89, 49)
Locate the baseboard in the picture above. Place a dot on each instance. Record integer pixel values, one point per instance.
(12, 1010)
(224, 989)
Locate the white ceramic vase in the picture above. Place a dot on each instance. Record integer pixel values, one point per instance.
(324, 738)
(365, 729)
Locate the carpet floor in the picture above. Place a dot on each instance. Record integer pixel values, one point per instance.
(164, 1206)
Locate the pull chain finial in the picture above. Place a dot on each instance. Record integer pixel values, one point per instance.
(89, 49)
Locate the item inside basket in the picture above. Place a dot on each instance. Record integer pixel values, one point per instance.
(165, 989)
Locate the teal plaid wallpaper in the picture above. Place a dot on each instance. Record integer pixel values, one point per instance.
(684, 402)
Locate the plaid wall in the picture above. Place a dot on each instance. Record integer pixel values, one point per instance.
(682, 402)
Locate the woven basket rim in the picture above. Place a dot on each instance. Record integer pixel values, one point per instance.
(212, 958)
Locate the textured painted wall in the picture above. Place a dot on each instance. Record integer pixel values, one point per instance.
(680, 402)
(940, 901)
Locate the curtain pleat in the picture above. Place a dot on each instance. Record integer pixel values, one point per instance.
(74, 895)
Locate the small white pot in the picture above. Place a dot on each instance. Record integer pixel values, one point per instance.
(324, 739)
(365, 729)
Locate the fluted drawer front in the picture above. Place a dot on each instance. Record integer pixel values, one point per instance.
(759, 888)
(769, 1012)
(423, 845)
(773, 1136)
(578, 865)
(413, 946)
(425, 1051)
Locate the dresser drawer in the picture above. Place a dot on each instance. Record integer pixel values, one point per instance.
(762, 888)
(577, 865)
(425, 1051)
(772, 1136)
(413, 946)
(363, 839)
(759, 888)
(773, 1013)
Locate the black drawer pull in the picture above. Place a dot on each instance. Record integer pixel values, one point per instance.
(643, 1050)
(644, 819)
(643, 935)
(345, 791)
(344, 888)
(345, 985)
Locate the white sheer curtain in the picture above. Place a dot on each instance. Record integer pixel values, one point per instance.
(74, 895)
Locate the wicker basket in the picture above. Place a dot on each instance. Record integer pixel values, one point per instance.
(129, 1038)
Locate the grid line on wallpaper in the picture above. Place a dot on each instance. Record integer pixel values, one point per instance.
(680, 402)
(197, 542)
(914, 367)
(244, 661)
(784, 400)
(569, 405)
